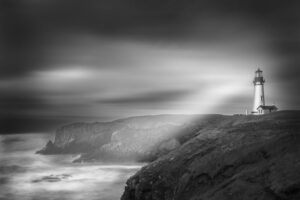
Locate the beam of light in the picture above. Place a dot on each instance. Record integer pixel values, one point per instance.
(210, 99)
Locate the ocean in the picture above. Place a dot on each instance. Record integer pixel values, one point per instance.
(25, 175)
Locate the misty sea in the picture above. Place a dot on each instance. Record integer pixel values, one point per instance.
(25, 175)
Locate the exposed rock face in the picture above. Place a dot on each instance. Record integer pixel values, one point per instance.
(79, 138)
(127, 139)
(237, 157)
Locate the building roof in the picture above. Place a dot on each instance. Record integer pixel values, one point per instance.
(258, 70)
(273, 107)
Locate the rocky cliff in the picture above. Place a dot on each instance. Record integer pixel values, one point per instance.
(79, 138)
(135, 138)
(233, 157)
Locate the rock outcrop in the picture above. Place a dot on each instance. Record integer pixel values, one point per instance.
(79, 138)
(227, 157)
(130, 139)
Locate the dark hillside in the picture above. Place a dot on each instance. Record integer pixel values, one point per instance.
(234, 157)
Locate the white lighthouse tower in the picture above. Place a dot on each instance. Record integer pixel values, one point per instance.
(259, 96)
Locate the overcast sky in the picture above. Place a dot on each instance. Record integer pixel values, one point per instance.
(74, 60)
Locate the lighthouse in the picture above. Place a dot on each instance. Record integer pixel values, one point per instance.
(259, 107)
(259, 95)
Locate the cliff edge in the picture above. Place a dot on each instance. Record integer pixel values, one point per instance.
(234, 157)
(140, 138)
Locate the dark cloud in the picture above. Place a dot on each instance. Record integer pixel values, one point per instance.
(157, 97)
(28, 26)
(20, 101)
(128, 45)
(36, 124)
